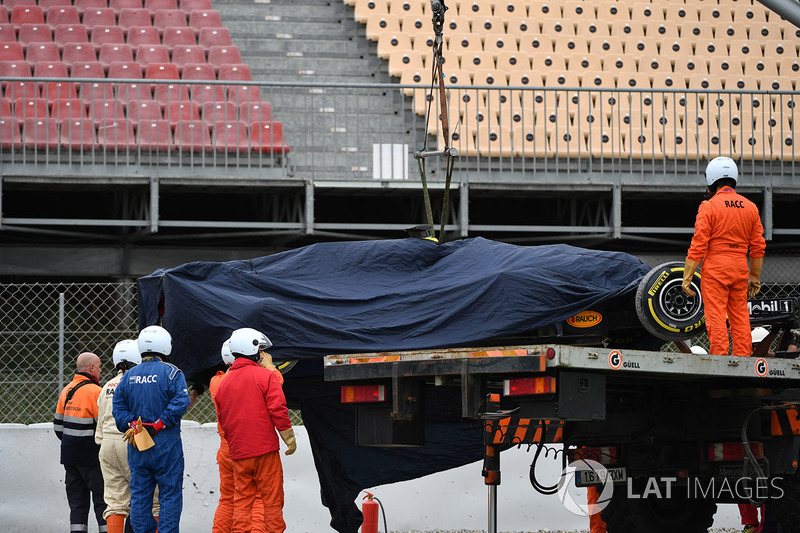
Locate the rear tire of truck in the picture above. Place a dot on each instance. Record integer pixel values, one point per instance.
(655, 515)
(664, 309)
(787, 509)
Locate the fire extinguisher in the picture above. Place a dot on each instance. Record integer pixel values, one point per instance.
(369, 508)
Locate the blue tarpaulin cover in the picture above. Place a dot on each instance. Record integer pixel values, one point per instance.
(350, 297)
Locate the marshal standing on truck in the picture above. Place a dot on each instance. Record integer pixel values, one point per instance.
(727, 228)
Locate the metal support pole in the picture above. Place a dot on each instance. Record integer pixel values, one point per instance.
(309, 218)
(154, 204)
(60, 341)
(616, 210)
(767, 210)
(492, 528)
(463, 209)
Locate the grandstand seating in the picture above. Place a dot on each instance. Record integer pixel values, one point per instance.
(611, 46)
(128, 39)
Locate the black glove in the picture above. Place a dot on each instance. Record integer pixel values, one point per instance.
(153, 427)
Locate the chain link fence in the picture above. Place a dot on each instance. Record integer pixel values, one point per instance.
(44, 326)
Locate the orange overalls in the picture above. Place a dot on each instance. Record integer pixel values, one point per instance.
(223, 517)
(726, 226)
(596, 524)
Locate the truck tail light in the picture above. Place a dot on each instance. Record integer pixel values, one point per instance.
(733, 451)
(529, 386)
(363, 393)
(605, 455)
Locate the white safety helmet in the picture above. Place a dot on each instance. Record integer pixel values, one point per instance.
(698, 350)
(759, 334)
(721, 167)
(227, 355)
(126, 350)
(155, 339)
(245, 342)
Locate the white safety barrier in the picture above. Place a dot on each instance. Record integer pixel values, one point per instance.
(32, 497)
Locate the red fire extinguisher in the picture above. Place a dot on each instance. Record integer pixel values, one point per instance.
(369, 508)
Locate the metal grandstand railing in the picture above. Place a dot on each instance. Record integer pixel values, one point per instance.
(328, 130)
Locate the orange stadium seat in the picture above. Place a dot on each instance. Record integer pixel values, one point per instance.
(70, 33)
(643, 46)
(605, 45)
(408, 7)
(750, 13)
(571, 44)
(789, 66)
(690, 65)
(779, 49)
(365, 8)
(661, 29)
(378, 24)
(718, 14)
(494, 142)
(519, 28)
(544, 61)
(510, 61)
(401, 60)
(582, 63)
(576, 10)
(544, 9)
(510, 9)
(496, 43)
(766, 31)
(389, 43)
(744, 48)
(680, 143)
(477, 60)
(605, 142)
(590, 29)
(725, 66)
(647, 12)
(413, 25)
(531, 141)
(626, 29)
(474, 8)
(554, 27)
(735, 30)
(598, 79)
(761, 66)
(681, 13)
(533, 44)
(610, 10)
(456, 25)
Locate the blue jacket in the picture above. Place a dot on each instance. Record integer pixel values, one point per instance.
(152, 389)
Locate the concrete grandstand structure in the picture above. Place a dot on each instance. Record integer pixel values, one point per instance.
(173, 130)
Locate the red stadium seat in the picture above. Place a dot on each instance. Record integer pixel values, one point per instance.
(154, 135)
(192, 136)
(90, 69)
(240, 72)
(34, 33)
(68, 109)
(205, 18)
(231, 137)
(87, 5)
(144, 110)
(78, 52)
(7, 33)
(185, 55)
(161, 71)
(198, 72)
(26, 15)
(156, 5)
(3, 16)
(209, 37)
(94, 18)
(149, 54)
(45, 4)
(170, 94)
(203, 94)
(191, 5)
(129, 92)
(11, 4)
(11, 52)
(18, 89)
(107, 35)
(129, 18)
(169, 18)
(244, 94)
(57, 15)
(125, 69)
(94, 91)
(216, 112)
(119, 5)
(268, 137)
(115, 53)
(25, 108)
(143, 35)
(78, 134)
(174, 37)
(223, 55)
(250, 112)
(70, 33)
(5, 107)
(38, 52)
(10, 136)
(181, 112)
(52, 91)
(103, 110)
(40, 133)
(115, 134)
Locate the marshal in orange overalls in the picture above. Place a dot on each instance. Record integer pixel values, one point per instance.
(727, 228)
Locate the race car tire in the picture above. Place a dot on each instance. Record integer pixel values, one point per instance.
(664, 309)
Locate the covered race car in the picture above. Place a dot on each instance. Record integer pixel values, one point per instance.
(408, 294)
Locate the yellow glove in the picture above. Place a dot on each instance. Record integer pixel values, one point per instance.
(129, 435)
(288, 437)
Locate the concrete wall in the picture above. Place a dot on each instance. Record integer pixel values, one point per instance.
(32, 497)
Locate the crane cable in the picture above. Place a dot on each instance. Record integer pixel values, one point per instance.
(438, 9)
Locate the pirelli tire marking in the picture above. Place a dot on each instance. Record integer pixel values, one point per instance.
(664, 309)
